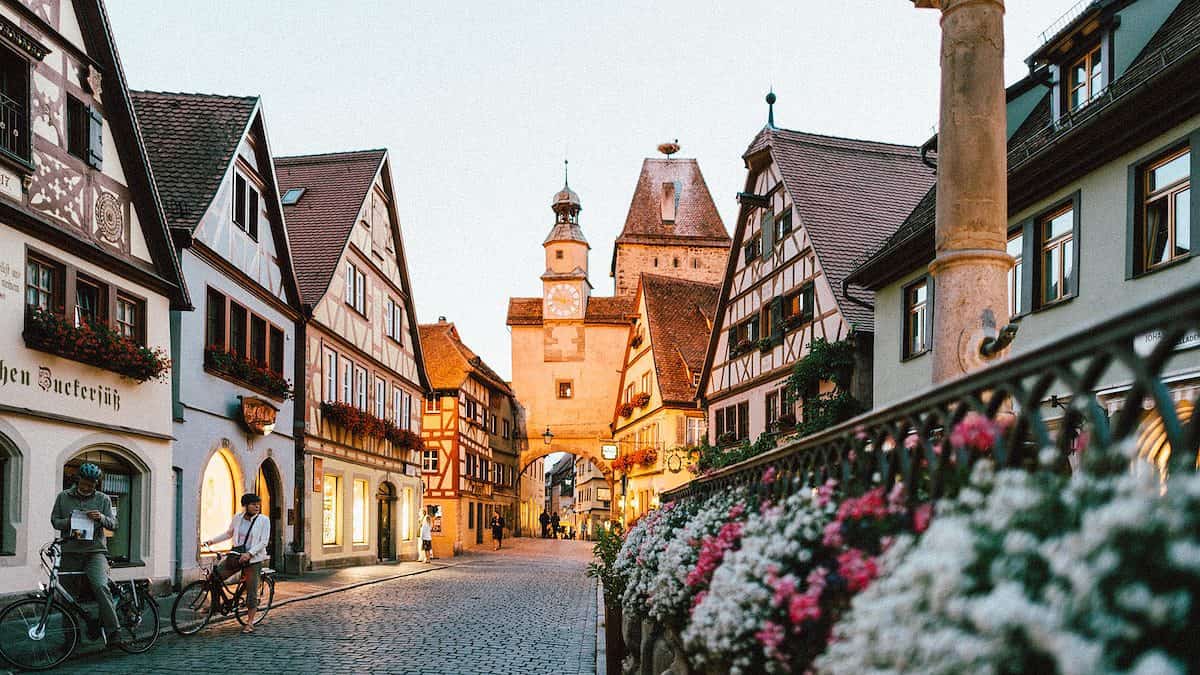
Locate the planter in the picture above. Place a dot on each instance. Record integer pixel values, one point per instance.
(626, 410)
(641, 400)
(243, 371)
(614, 649)
(96, 345)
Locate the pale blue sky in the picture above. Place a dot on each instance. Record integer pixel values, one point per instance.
(478, 102)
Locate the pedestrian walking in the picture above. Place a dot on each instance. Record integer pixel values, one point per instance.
(544, 519)
(497, 529)
(554, 524)
(426, 538)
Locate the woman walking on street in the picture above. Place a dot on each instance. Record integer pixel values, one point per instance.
(497, 529)
(426, 537)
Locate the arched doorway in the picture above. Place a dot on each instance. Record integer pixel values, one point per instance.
(219, 497)
(267, 486)
(122, 482)
(10, 491)
(385, 500)
(1153, 446)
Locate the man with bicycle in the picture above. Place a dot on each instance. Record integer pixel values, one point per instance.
(86, 548)
(251, 535)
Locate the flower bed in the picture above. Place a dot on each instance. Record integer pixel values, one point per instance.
(94, 344)
(1019, 572)
(255, 375)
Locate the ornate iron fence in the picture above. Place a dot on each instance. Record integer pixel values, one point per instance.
(1045, 398)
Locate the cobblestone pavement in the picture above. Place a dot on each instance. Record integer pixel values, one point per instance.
(526, 609)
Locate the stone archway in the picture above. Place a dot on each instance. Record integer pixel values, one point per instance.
(531, 455)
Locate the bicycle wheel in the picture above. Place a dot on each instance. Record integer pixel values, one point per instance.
(37, 636)
(266, 595)
(139, 627)
(192, 609)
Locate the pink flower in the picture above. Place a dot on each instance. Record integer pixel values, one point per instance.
(785, 588)
(975, 432)
(804, 607)
(769, 475)
(912, 442)
(712, 552)
(825, 492)
(921, 517)
(833, 535)
(771, 635)
(857, 569)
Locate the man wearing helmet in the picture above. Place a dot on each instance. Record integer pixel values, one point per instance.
(87, 551)
(251, 535)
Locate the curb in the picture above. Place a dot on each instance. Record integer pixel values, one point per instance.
(601, 627)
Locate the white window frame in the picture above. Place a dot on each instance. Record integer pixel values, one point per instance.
(380, 398)
(331, 376)
(406, 419)
(347, 380)
(360, 388)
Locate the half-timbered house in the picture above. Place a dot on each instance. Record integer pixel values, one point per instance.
(470, 428)
(364, 376)
(811, 205)
(88, 279)
(234, 359)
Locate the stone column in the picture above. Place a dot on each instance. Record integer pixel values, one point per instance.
(970, 297)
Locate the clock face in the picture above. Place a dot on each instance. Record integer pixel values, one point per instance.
(563, 300)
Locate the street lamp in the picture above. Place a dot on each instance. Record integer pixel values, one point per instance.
(547, 437)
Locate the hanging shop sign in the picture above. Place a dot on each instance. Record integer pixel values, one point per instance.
(318, 474)
(258, 415)
(608, 451)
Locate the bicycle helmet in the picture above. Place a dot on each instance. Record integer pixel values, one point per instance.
(90, 471)
(251, 498)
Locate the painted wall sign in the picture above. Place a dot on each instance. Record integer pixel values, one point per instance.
(102, 396)
(318, 474)
(1145, 343)
(258, 415)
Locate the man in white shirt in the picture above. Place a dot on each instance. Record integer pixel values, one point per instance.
(251, 534)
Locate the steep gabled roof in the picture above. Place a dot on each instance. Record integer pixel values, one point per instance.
(450, 362)
(122, 120)
(191, 139)
(319, 224)
(679, 315)
(850, 196)
(600, 309)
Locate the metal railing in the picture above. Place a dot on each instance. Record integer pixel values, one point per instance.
(14, 128)
(1066, 19)
(1049, 397)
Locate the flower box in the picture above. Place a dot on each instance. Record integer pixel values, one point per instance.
(646, 456)
(765, 344)
(641, 399)
(94, 344)
(626, 410)
(636, 341)
(254, 375)
(361, 423)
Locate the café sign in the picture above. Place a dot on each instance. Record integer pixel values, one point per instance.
(258, 415)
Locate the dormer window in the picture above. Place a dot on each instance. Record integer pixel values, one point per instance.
(292, 196)
(1085, 79)
(245, 205)
(669, 206)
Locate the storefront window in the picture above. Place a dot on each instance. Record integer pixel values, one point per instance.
(360, 512)
(10, 464)
(218, 499)
(330, 524)
(406, 506)
(122, 482)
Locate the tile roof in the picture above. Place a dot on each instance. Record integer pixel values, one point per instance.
(191, 139)
(528, 311)
(850, 195)
(336, 185)
(1177, 38)
(449, 362)
(697, 222)
(680, 315)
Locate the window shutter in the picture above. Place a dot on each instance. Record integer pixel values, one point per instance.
(732, 339)
(777, 318)
(252, 212)
(95, 150)
(768, 232)
(680, 422)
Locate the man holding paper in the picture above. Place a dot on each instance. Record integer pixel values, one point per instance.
(81, 514)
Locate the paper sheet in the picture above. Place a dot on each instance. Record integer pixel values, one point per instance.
(82, 527)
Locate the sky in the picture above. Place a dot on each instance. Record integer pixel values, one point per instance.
(479, 103)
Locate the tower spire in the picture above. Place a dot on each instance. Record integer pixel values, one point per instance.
(771, 108)
(566, 182)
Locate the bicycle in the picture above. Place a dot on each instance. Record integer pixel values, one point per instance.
(199, 600)
(41, 631)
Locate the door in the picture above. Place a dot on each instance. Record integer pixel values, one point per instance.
(266, 486)
(479, 524)
(385, 500)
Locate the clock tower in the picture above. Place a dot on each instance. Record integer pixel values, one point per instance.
(565, 286)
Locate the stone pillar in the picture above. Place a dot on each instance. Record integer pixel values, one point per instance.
(970, 297)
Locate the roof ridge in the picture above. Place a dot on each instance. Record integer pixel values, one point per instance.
(194, 94)
(319, 156)
(816, 138)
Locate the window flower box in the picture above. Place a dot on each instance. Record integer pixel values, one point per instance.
(94, 344)
(626, 409)
(646, 456)
(359, 423)
(636, 341)
(742, 347)
(641, 399)
(765, 344)
(254, 375)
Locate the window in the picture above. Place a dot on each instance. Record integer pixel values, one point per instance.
(400, 420)
(1056, 269)
(380, 399)
(123, 483)
(783, 225)
(43, 280)
(347, 380)
(429, 461)
(406, 509)
(753, 249)
(1016, 242)
(292, 196)
(214, 328)
(772, 408)
(14, 105)
(431, 405)
(645, 383)
(566, 388)
(743, 420)
(558, 254)
(507, 429)
(356, 288)
(916, 318)
(360, 388)
(245, 205)
(218, 498)
(10, 491)
(629, 391)
(1086, 79)
(237, 328)
(258, 340)
(734, 421)
(276, 351)
(130, 318)
(406, 418)
(772, 318)
(359, 514)
(331, 525)
(77, 128)
(470, 466)
(395, 321)
(91, 301)
(695, 431)
(798, 306)
(1166, 209)
(331, 371)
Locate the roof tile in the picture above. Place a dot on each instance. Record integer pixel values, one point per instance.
(679, 314)
(697, 222)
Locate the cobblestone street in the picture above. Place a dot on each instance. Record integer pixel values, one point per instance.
(526, 609)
